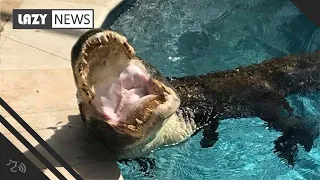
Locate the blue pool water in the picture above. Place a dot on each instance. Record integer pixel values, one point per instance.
(182, 37)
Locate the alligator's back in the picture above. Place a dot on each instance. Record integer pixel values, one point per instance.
(258, 90)
(281, 76)
(284, 75)
(292, 74)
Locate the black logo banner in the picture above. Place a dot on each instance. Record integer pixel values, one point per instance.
(39, 139)
(15, 165)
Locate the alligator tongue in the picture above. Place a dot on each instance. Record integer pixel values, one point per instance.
(115, 102)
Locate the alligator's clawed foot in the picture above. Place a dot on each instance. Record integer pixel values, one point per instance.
(209, 139)
(210, 134)
(286, 145)
(286, 150)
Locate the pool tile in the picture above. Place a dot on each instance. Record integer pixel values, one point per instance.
(76, 145)
(1, 109)
(91, 171)
(113, 3)
(6, 10)
(46, 120)
(32, 91)
(31, 58)
(83, 148)
(2, 40)
(95, 2)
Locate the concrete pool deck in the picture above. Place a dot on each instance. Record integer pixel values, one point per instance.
(36, 81)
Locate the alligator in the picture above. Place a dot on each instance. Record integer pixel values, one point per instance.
(133, 109)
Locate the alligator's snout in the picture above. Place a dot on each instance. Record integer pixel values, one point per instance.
(120, 96)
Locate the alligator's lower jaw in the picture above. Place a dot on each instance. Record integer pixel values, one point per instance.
(119, 87)
(175, 131)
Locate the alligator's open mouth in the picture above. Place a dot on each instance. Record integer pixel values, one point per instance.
(119, 87)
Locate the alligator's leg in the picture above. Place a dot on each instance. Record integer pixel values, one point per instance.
(206, 120)
(279, 115)
(295, 133)
(210, 134)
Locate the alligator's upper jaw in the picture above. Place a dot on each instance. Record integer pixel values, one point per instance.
(118, 86)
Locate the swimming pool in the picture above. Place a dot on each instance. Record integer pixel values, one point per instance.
(182, 37)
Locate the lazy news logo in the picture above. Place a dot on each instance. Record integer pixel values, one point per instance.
(53, 18)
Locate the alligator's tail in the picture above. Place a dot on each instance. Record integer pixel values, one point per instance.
(297, 74)
(294, 74)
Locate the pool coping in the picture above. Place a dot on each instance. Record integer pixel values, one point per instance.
(55, 49)
(115, 12)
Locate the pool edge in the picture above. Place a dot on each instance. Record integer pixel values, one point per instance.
(120, 7)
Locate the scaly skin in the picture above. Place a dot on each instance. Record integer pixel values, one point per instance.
(257, 90)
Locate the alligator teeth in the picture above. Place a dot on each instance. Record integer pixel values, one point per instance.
(100, 47)
(132, 127)
(100, 42)
(157, 87)
(139, 121)
(94, 42)
(157, 102)
(104, 40)
(114, 38)
(149, 110)
(85, 55)
(127, 46)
